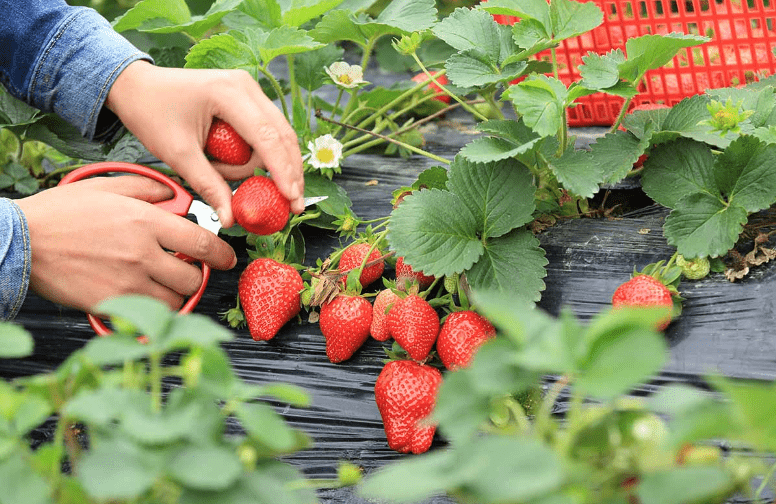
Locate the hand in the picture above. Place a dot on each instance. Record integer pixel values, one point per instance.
(101, 237)
(170, 111)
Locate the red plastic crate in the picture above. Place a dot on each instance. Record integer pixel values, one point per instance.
(743, 34)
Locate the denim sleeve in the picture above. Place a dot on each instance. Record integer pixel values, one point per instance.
(15, 259)
(63, 59)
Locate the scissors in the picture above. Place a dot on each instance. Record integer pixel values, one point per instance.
(182, 203)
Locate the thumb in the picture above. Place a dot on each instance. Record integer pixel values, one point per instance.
(208, 183)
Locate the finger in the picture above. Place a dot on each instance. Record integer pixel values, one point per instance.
(176, 274)
(206, 182)
(181, 235)
(132, 186)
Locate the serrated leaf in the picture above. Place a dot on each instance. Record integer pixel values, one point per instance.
(676, 169)
(408, 15)
(338, 25)
(483, 150)
(436, 231)
(280, 41)
(577, 172)
(684, 484)
(471, 30)
(570, 18)
(15, 111)
(64, 137)
(172, 11)
(309, 66)
(116, 469)
(527, 9)
(746, 173)
(540, 100)
(650, 52)
(196, 26)
(600, 71)
(432, 178)
(685, 119)
(701, 225)
(150, 316)
(222, 51)
(206, 468)
(266, 12)
(302, 11)
(513, 264)
(469, 69)
(500, 195)
(531, 35)
(338, 202)
(643, 123)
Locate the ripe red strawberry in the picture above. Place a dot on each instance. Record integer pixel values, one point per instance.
(405, 273)
(353, 256)
(442, 79)
(383, 302)
(462, 333)
(344, 322)
(225, 145)
(405, 393)
(414, 324)
(644, 290)
(259, 207)
(269, 296)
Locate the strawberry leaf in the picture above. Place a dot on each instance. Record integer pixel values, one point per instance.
(601, 71)
(746, 171)
(702, 225)
(280, 41)
(499, 195)
(685, 118)
(338, 25)
(163, 16)
(472, 30)
(222, 51)
(308, 66)
(513, 263)
(538, 10)
(570, 18)
(302, 11)
(513, 139)
(541, 101)
(436, 231)
(650, 52)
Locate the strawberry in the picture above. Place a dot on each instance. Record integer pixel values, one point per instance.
(405, 393)
(225, 145)
(259, 207)
(414, 324)
(442, 79)
(383, 302)
(405, 273)
(269, 296)
(353, 256)
(344, 322)
(644, 290)
(462, 333)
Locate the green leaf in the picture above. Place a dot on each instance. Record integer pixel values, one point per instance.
(412, 479)
(600, 71)
(302, 11)
(338, 202)
(280, 41)
(32, 412)
(100, 407)
(149, 427)
(571, 18)
(677, 169)
(115, 469)
(339, 25)
(540, 100)
(194, 329)
(206, 468)
(753, 405)
(115, 350)
(407, 16)
(151, 317)
(471, 30)
(701, 225)
(489, 149)
(694, 415)
(64, 137)
(222, 51)
(531, 35)
(172, 11)
(21, 483)
(265, 425)
(470, 69)
(309, 66)
(650, 52)
(684, 484)
(538, 10)
(513, 264)
(611, 340)
(500, 194)
(578, 173)
(686, 119)
(14, 111)
(746, 172)
(435, 230)
(15, 341)
(266, 12)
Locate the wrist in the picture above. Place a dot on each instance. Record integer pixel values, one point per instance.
(126, 84)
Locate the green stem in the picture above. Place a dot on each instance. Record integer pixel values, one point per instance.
(624, 109)
(518, 412)
(337, 102)
(155, 376)
(554, 54)
(544, 415)
(491, 100)
(296, 219)
(278, 90)
(295, 92)
(766, 480)
(454, 96)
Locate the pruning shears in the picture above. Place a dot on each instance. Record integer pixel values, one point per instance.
(182, 203)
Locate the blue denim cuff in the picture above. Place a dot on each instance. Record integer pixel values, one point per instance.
(76, 68)
(15, 258)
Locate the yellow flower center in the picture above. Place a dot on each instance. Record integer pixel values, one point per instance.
(325, 155)
(345, 79)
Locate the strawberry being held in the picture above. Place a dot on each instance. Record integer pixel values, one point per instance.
(269, 296)
(405, 393)
(259, 207)
(352, 258)
(344, 322)
(414, 324)
(225, 145)
(461, 335)
(644, 290)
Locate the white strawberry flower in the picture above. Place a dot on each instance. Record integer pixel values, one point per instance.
(346, 75)
(325, 152)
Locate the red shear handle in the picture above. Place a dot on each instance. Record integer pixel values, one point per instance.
(179, 204)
